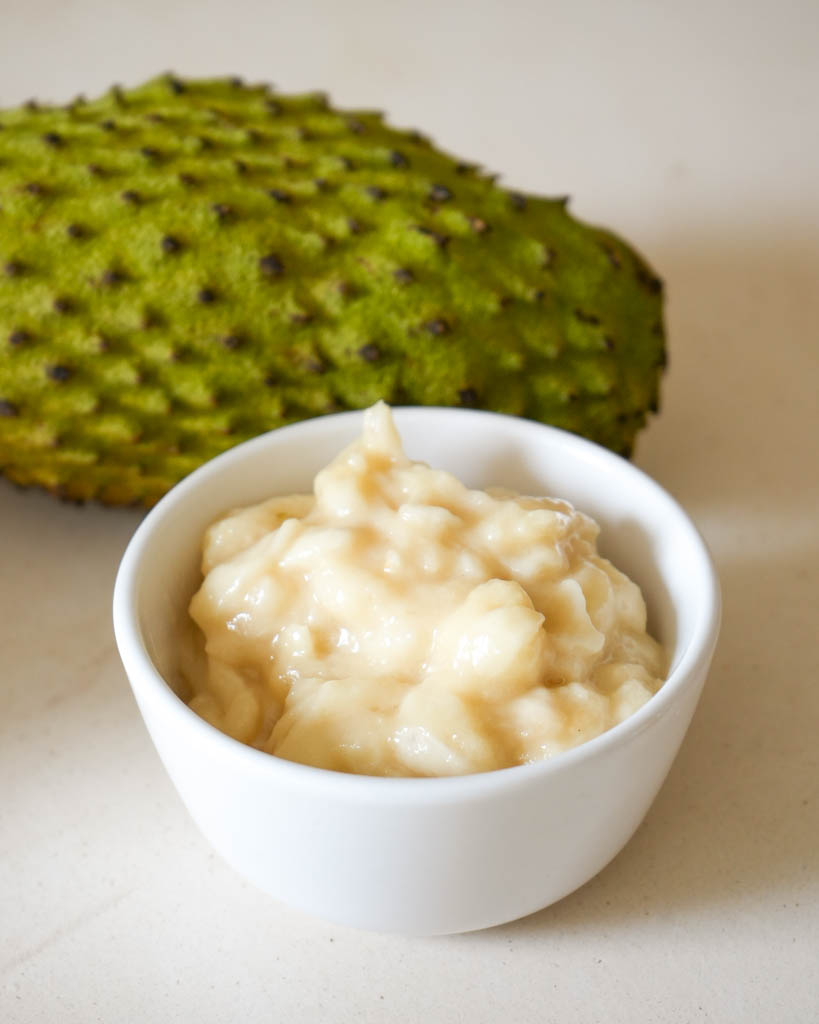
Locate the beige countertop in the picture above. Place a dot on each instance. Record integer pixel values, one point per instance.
(690, 129)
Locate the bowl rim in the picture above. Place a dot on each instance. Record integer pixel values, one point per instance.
(146, 680)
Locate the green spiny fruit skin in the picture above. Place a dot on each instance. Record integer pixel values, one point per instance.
(187, 264)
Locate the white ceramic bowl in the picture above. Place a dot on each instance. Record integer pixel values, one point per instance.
(422, 856)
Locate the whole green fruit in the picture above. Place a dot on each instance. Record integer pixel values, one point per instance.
(187, 264)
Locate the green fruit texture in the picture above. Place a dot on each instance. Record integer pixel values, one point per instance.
(187, 264)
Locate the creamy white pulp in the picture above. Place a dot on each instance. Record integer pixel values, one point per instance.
(396, 622)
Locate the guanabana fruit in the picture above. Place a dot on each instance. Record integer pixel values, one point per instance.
(189, 263)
